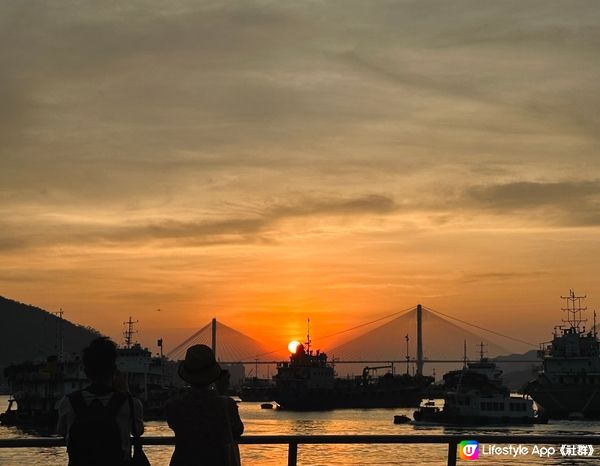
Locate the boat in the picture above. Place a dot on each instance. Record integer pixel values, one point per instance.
(568, 384)
(308, 383)
(37, 386)
(475, 395)
(147, 377)
(402, 419)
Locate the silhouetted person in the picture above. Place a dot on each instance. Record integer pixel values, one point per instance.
(207, 425)
(97, 420)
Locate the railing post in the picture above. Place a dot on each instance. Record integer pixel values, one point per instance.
(293, 454)
(452, 453)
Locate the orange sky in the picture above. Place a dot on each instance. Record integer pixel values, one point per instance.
(263, 163)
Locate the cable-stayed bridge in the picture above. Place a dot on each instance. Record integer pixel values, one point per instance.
(231, 345)
(394, 341)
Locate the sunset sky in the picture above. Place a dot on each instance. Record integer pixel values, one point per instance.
(267, 161)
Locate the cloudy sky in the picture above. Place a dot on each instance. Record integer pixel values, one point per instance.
(267, 161)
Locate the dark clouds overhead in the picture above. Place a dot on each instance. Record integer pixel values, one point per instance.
(568, 203)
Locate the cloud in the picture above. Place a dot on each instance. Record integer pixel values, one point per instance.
(523, 195)
(568, 203)
(254, 227)
(488, 277)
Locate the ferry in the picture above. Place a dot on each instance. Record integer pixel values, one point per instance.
(475, 395)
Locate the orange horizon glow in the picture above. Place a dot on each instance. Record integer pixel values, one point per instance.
(354, 163)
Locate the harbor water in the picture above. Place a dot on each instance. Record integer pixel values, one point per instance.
(259, 421)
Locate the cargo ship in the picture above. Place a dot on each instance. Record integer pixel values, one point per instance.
(568, 384)
(308, 383)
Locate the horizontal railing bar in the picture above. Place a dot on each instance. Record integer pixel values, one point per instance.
(341, 439)
(397, 361)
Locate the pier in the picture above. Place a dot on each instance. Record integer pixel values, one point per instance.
(294, 441)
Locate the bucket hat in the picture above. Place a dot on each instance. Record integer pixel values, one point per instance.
(199, 366)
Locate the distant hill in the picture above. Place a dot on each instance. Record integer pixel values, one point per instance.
(517, 374)
(31, 333)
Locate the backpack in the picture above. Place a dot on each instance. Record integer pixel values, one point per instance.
(95, 436)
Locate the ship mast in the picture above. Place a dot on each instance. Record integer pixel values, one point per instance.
(407, 356)
(481, 351)
(574, 310)
(129, 332)
(60, 335)
(307, 344)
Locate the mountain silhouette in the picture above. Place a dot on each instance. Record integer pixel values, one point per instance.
(29, 333)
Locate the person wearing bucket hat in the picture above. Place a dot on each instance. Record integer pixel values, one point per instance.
(199, 366)
(206, 424)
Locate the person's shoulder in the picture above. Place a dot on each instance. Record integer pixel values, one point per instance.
(229, 400)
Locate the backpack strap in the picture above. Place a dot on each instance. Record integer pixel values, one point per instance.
(76, 399)
(116, 401)
(114, 404)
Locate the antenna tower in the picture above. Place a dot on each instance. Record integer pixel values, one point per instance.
(129, 332)
(60, 339)
(407, 356)
(308, 342)
(574, 310)
(481, 351)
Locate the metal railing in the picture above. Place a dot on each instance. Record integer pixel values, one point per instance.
(294, 440)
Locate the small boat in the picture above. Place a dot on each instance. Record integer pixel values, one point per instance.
(402, 419)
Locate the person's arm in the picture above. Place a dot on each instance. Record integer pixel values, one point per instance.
(237, 426)
(63, 414)
(138, 416)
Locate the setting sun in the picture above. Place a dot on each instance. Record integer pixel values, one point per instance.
(292, 346)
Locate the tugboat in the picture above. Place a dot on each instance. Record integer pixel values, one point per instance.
(307, 383)
(475, 395)
(568, 385)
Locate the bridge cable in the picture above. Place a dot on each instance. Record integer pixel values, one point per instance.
(402, 312)
(480, 328)
(181, 345)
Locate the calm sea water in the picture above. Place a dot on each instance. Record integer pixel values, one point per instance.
(375, 421)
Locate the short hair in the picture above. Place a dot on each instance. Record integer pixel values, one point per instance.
(99, 358)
